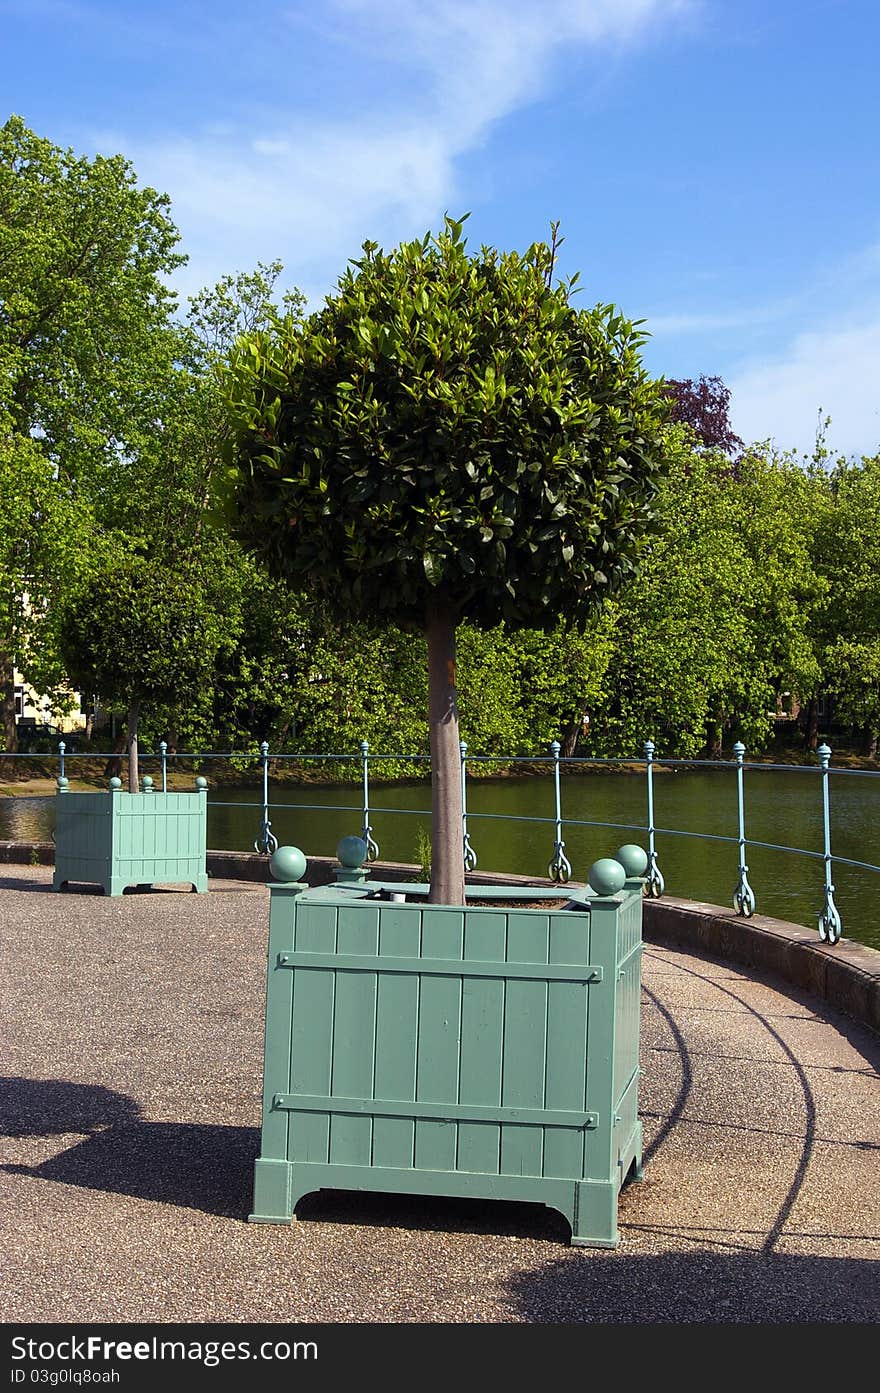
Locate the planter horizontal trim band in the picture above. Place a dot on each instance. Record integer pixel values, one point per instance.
(435, 1112)
(443, 967)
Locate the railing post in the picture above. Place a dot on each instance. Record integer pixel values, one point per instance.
(654, 883)
(829, 919)
(61, 748)
(367, 833)
(470, 856)
(743, 895)
(163, 751)
(559, 867)
(266, 842)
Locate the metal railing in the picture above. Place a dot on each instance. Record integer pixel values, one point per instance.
(559, 868)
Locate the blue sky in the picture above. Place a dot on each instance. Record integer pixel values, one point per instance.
(714, 164)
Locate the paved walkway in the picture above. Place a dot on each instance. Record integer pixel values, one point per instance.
(132, 1041)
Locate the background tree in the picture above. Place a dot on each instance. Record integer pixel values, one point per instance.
(143, 635)
(41, 557)
(86, 344)
(447, 439)
(846, 553)
(718, 620)
(704, 405)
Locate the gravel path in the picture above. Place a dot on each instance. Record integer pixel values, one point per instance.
(129, 1113)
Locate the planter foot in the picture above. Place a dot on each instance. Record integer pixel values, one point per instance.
(272, 1200)
(594, 1220)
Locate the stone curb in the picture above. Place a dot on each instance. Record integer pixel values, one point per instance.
(846, 975)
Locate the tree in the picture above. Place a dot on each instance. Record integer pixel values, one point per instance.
(86, 342)
(39, 557)
(704, 405)
(846, 552)
(447, 439)
(718, 620)
(141, 634)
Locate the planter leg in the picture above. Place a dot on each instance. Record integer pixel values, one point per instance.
(200, 885)
(114, 886)
(594, 1220)
(271, 1193)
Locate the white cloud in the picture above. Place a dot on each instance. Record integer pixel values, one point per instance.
(309, 189)
(833, 372)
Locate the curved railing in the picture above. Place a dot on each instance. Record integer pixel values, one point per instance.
(558, 867)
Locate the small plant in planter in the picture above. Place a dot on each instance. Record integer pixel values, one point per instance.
(142, 635)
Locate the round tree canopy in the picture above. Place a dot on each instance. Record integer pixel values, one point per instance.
(448, 429)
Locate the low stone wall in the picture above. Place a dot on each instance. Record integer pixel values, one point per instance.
(846, 975)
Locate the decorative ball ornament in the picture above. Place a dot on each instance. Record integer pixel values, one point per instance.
(115, 783)
(61, 783)
(606, 876)
(148, 784)
(201, 782)
(633, 859)
(287, 864)
(352, 852)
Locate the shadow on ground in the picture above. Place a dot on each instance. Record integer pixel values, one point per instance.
(196, 1167)
(698, 1285)
(210, 1169)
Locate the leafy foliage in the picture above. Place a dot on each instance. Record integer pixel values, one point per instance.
(449, 423)
(704, 405)
(846, 553)
(718, 621)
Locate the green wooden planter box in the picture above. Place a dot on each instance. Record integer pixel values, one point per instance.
(486, 1052)
(117, 839)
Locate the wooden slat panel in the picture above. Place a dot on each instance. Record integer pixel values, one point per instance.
(354, 1034)
(439, 1038)
(567, 1007)
(525, 1024)
(396, 1037)
(276, 1070)
(482, 1036)
(311, 1044)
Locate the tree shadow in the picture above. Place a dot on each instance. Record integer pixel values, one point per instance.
(54, 1107)
(193, 1166)
(700, 1285)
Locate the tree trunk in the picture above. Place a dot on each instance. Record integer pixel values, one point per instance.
(573, 732)
(132, 747)
(869, 742)
(713, 739)
(7, 699)
(811, 725)
(113, 767)
(447, 850)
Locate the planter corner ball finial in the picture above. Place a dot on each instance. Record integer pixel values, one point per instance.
(147, 783)
(115, 783)
(352, 852)
(201, 783)
(287, 864)
(633, 858)
(61, 783)
(606, 876)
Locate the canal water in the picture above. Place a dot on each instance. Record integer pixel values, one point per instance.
(783, 807)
